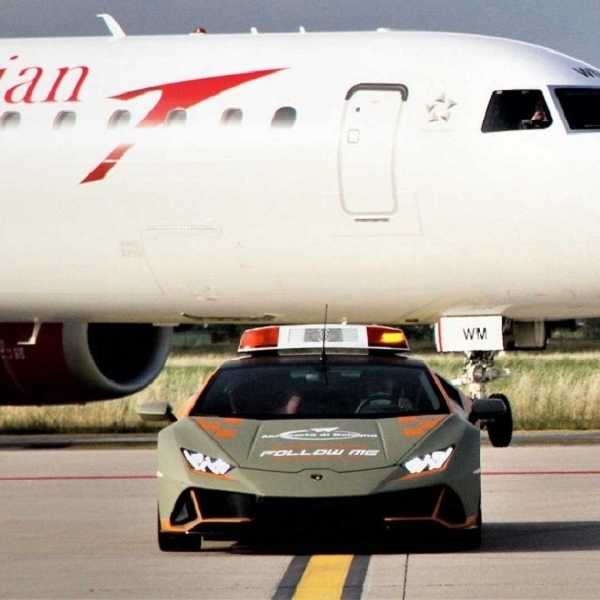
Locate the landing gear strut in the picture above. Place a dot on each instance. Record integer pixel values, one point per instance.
(477, 371)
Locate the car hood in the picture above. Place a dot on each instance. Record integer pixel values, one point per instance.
(338, 444)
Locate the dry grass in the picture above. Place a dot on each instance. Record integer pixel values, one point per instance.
(547, 391)
(179, 380)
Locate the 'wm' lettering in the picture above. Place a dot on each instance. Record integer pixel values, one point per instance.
(475, 333)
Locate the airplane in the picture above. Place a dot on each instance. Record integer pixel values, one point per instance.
(394, 176)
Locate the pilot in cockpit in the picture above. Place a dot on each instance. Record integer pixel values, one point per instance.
(541, 112)
(539, 119)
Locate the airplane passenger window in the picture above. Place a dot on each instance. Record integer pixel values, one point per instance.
(176, 118)
(232, 116)
(120, 118)
(64, 120)
(10, 120)
(284, 118)
(510, 110)
(581, 107)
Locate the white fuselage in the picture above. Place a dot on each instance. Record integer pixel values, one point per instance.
(387, 203)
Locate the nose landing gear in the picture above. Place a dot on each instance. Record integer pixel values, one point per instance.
(477, 371)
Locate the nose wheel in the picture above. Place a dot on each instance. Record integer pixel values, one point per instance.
(478, 370)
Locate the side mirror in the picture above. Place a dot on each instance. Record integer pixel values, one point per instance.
(487, 408)
(156, 411)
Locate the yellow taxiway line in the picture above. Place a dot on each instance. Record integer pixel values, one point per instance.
(323, 578)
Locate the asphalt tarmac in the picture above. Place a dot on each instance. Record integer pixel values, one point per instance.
(80, 522)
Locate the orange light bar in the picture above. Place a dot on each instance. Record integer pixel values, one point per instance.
(260, 338)
(339, 337)
(386, 337)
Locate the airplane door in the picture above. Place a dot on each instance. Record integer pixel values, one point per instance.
(367, 148)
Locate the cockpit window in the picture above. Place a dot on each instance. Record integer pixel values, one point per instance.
(510, 110)
(581, 107)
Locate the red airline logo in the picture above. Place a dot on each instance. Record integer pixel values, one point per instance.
(37, 84)
(178, 95)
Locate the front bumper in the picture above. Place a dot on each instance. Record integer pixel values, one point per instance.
(213, 512)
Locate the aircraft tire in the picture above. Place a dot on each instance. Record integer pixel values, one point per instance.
(500, 430)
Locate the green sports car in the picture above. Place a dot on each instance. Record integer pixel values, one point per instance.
(324, 428)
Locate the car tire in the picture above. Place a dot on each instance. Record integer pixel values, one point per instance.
(469, 539)
(178, 542)
(500, 430)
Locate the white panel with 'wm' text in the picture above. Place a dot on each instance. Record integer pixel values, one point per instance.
(461, 334)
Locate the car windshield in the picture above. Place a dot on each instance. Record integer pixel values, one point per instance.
(300, 391)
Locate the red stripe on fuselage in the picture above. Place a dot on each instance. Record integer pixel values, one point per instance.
(108, 163)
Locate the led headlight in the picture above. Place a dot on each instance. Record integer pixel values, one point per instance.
(206, 464)
(429, 462)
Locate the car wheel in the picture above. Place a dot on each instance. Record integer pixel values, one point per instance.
(500, 430)
(469, 539)
(178, 542)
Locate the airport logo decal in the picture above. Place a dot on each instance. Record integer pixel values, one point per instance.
(320, 434)
(179, 95)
